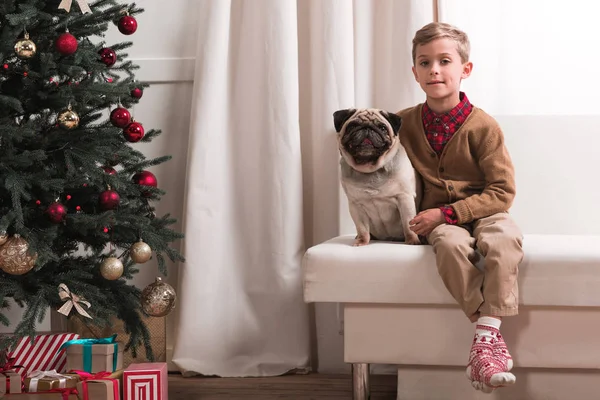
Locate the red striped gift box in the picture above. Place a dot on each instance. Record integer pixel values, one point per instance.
(145, 381)
(43, 354)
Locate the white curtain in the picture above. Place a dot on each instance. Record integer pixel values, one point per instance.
(262, 182)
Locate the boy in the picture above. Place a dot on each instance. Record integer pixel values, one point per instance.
(468, 182)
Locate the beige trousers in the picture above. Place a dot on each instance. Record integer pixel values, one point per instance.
(499, 240)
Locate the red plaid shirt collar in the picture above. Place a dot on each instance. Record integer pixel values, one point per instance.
(453, 118)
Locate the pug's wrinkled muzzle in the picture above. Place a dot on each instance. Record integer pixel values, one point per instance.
(366, 145)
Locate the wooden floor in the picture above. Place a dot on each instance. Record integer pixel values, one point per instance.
(292, 387)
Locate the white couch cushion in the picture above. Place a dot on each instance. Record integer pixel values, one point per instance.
(557, 270)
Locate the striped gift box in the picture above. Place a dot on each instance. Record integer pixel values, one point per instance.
(43, 354)
(145, 381)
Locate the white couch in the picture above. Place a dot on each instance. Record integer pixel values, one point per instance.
(397, 310)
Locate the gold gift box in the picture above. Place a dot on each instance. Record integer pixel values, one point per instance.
(45, 384)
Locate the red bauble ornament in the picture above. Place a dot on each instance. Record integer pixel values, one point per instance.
(137, 93)
(66, 44)
(109, 170)
(134, 132)
(120, 117)
(56, 212)
(108, 56)
(109, 200)
(145, 178)
(127, 25)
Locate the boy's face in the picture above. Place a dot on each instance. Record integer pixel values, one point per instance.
(439, 69)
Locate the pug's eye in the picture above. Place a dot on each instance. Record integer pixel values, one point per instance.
(383, 127)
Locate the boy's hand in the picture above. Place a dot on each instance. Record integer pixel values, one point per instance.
(425, 221)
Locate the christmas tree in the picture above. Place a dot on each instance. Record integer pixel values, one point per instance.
(76, 197)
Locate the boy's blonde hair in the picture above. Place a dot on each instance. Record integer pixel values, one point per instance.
(439, 30)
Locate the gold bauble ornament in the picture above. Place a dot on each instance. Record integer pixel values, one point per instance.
(68, 119)
(15, 258)
(25, 48)
(3, 238)
(140, 252)
(111, 268)
(158, 298)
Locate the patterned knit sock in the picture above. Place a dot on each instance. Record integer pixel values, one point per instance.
(501, 351)
(487, 369)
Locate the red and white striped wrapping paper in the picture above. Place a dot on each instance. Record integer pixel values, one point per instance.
(43, 355)
(145, 381)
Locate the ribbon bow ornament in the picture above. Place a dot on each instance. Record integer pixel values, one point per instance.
(72, 300)
(83, 5)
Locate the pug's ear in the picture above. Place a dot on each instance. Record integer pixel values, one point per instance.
(341, 116)
(394, 120)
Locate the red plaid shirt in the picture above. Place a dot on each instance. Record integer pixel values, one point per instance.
(439, 129)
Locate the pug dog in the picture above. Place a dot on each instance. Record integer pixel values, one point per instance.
(378, 178)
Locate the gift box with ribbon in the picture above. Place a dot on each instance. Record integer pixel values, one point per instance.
(100, 386)
(94, 355)
(146, 381)
(41, 381)
(44, 354)
(10, 381)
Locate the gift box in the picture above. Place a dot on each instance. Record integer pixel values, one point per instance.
(41, 381)
(146, 381)
(102, 386)
(44, 353)
(94, 355)
(156, 326)
(10, 381)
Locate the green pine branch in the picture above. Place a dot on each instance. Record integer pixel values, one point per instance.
(42, 162)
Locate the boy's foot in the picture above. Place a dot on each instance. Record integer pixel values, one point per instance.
(489, 360)
(501, 351)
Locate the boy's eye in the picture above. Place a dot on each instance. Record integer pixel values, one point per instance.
(445, 61)
(424, 63)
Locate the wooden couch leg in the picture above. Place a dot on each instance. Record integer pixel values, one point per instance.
(360, 382)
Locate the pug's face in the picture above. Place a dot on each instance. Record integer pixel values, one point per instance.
(367, 137)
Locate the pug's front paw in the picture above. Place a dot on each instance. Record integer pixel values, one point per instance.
(413, 239)
(362, 240)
